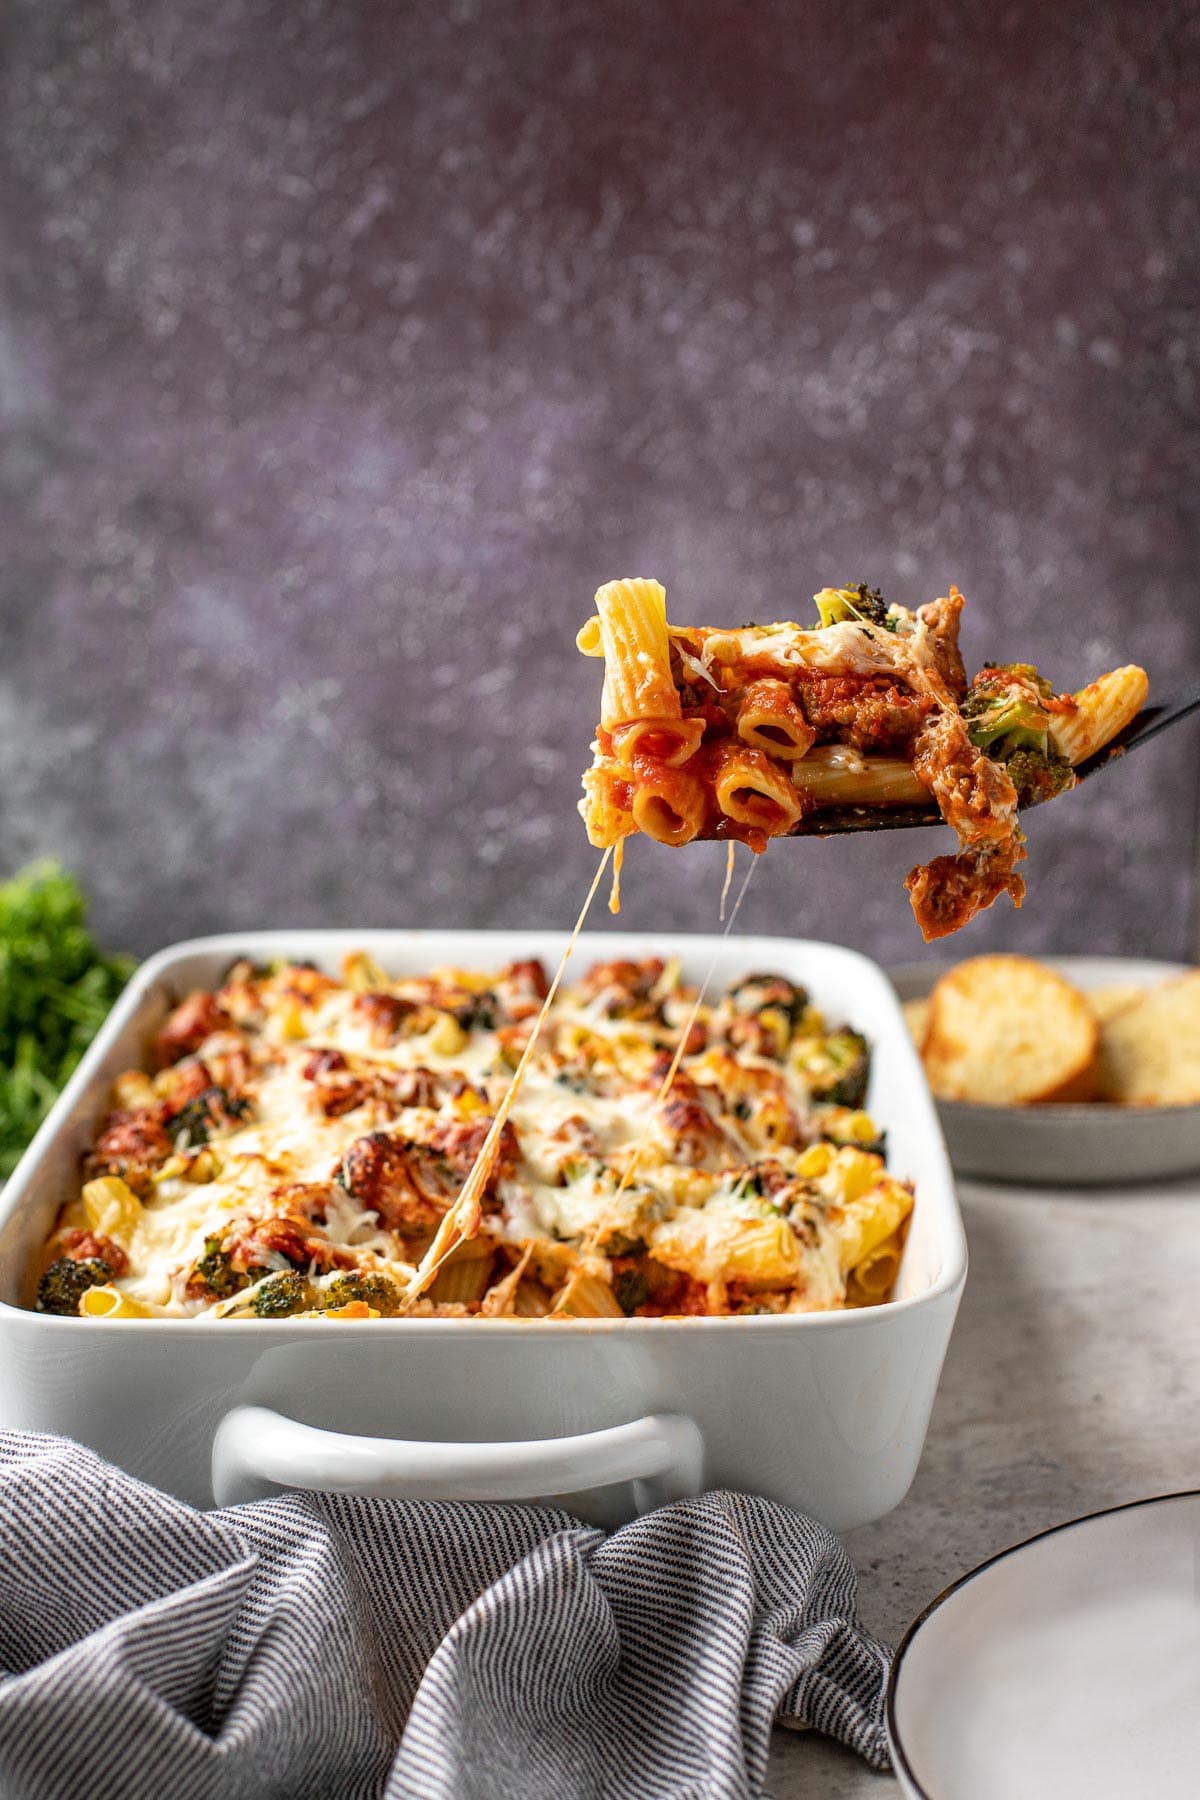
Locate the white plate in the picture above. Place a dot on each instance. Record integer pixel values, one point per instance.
(1067, 1668)
(1083, 1146)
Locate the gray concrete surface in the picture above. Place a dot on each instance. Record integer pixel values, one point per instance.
(345, 347)
(1071, 1384)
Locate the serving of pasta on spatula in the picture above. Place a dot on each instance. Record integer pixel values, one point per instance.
(864, 720)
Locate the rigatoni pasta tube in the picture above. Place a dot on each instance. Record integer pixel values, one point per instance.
(872, 1280)
(768, 719)
(870, 1218)
(587, 1297)
(1100, 713)
(668, 741)
(637, 656)
(758, 1253)
(669, 806)
(104, 1302)
(113, 1209)
(466, 1274)
(363, 975)
(751, 791)
(605, 808)
(529, 1302)
(836, 775)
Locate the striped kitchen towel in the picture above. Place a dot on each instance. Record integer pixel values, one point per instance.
(327, 1646)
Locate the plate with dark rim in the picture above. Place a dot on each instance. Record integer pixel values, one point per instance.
(1094, 1145)
(1065, 1668)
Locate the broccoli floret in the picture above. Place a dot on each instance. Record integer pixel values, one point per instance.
(876, 1146)
(281, 1295)
(618, 1244)
(837, 1068)
(1006, 718)
(769, 1012)
(755, 993)
(374, 1289)
(479, 1013)
(1005, 723)
(1039, 775)
(631, 1290)
(994, 674)
(1004, 710)
(859, 604)
(850, 1055)
(65, 1283)
(215, 1273)
(212, 1110)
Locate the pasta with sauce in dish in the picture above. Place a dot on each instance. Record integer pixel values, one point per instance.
(304, 1138)
(753, 732)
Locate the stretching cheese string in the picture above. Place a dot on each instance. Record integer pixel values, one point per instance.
(685, 1034)
(665, 1088)
(614, 899)
(461, 1221)
(730, 848)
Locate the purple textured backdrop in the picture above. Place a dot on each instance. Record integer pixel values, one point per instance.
(345, 348)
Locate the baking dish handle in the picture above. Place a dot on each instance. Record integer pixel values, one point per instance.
(257, 1452)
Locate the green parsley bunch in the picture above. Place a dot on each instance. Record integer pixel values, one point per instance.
(56, 989)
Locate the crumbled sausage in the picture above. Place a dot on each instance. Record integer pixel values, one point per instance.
(572, 1138)
(138, 1135)
(340, 1086)
(296, 1240)
(950, 890)
(692, 1133)
(195, 1019)
(626, 987)
(421, 1087)
(304, 1199)
(667, 1291)
(522, 987)
(183, 1083)
(91, 1246)
(337, 1089)
(870, 712)
(131, 1145)
(459, 1143)
(230, 1067)
(376, 1170)
(384, 1015)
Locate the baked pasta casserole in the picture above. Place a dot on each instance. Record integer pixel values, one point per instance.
(304, 1138)
(760, 731)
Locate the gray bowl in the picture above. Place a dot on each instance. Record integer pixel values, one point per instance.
(1097, 1145)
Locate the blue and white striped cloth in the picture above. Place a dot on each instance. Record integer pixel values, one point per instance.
(333, 1647)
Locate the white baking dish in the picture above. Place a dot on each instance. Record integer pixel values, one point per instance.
(826, 1411)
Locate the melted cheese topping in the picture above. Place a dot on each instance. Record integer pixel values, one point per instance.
(304, 1150)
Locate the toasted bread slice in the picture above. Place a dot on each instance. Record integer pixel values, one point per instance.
(1150, 1051)
(1004, 1030)
(1107, 1002)
(916, 1017)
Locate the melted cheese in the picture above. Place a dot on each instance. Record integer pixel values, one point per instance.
(462, 1220)
(706, 1171)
